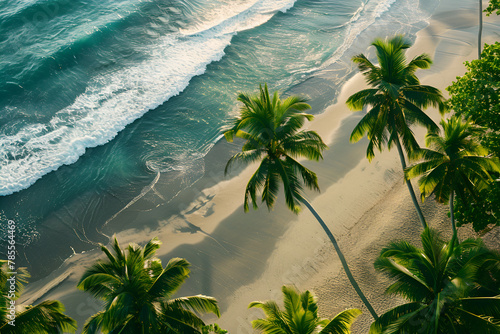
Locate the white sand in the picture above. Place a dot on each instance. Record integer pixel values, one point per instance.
(249, 256)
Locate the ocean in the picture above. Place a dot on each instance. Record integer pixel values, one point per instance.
(104, 104)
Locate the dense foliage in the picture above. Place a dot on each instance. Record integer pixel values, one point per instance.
(396, 97)
(450, 287)
(136, 291)
(454, 163)
(271, 128)
(475, 95)
(482, 210)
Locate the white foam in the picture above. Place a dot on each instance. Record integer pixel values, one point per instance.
(356, 25)
(113, 101)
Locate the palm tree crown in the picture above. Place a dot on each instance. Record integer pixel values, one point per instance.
(448, 287)
(135, 289)
(453, 162)
(45, 317)
(300, 316)
(271, 128)
(396, 98)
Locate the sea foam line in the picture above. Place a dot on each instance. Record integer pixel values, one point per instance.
(356, 25)
(113, 101)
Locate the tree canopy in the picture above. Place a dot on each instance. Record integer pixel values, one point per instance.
(273, 132)
(136, 291)
(454, 163)
(475, 95)
(449, 287)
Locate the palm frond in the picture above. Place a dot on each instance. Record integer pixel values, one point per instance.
(291, 185)
(309, 177)
(390, 317)
(292, 300)
(198, 303)
(365, 125)
(151, 247)
(99, 279)
(94, 323)
(359, 100)
(477, 323)
(181, 320)
(370, 71)
(485, 306)
(268, 327)
(435, 160)
(173, 276)
(407, 282)
(48, 317)
(270, 308)
(244, 157)
(306, 144)
(422, 61)
(255, 183)
(342, 322)
(424, 96)
(271, 187)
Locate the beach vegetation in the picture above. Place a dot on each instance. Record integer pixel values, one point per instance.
(300, 316)
(449, 287)
(475, 96)
(136, 291)
(493, 6)
(213, 329)
(46, 317)
(454, 163)
(272, 130)
(395, 101)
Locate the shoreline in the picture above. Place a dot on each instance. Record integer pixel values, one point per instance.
(260, 248)
(81, 218)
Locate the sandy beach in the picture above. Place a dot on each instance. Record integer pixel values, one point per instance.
(239, 258)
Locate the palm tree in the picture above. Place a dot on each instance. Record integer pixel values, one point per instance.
(300, 316)
(271, 128)
(396, 99)
(455, 163)
(135, 289)
(443, 284)
(46, 317)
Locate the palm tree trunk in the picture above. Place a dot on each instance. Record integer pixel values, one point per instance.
(452, 215)
(342, 258)
(408, 183)
(480, 29)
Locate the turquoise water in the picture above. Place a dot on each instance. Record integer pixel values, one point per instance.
(100, 98)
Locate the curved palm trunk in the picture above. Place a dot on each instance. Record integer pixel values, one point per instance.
(408, 183)
(480, 29)
(452, 215)
(342, 258)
